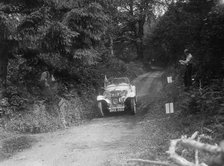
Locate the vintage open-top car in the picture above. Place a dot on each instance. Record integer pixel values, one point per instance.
(118, 96)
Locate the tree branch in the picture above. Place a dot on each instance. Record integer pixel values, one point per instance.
(149, 162)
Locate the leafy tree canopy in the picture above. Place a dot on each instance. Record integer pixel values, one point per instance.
(63, 35)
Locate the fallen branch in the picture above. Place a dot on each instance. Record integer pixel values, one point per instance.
(194, 135)
(197, 153)
(190, 143)
(201, 146)
(149, 162)
(175, 157)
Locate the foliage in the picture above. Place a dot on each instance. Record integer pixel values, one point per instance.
(134, 17)
(196, 25)
(199, 102)
(207, 101)
(211, 51)
(128, 20)
(71, 34)
(63, 37)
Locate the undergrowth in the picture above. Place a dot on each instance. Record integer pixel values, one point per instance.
(201, 105)
(192, 112)
(14, 145)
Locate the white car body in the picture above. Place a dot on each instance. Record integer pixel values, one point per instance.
(116, 92)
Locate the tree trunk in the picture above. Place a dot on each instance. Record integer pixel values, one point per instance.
(140, 50)
(3, 67)
(139, 43)
(111, 46)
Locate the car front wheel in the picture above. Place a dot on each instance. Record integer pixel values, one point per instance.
(103, 108)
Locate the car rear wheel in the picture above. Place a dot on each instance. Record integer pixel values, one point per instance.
(133, 106)
(130, 106)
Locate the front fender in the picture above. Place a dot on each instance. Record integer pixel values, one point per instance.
(100, 98)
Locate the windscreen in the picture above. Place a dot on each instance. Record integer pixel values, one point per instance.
(117, 81)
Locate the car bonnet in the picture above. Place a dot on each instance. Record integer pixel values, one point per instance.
(119, 87)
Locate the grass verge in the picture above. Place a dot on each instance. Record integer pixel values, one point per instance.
(13, 145)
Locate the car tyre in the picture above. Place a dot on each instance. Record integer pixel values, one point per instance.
(130, 106)
(133, 106)
(103, 108)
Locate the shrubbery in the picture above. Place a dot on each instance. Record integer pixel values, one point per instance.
(205, 102)
(196, 25)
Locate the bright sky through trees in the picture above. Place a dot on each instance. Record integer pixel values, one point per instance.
(221, 1)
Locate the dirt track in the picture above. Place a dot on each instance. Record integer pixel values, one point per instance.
(101, 142)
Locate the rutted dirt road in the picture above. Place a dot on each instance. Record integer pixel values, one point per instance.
(101, 142)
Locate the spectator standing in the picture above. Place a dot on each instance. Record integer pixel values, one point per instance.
(188, 70)
(48, 84)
